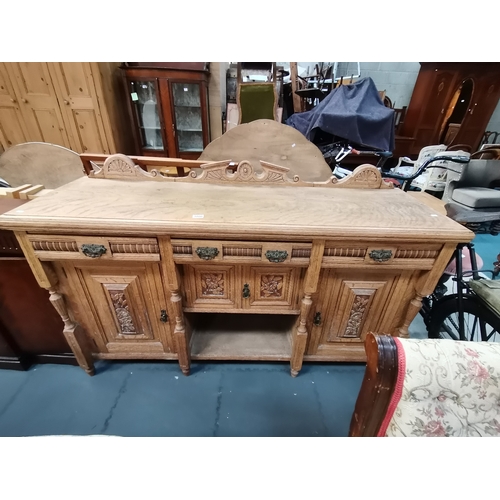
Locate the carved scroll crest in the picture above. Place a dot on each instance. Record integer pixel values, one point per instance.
(119, 166)
(222, 172)
(122, 167)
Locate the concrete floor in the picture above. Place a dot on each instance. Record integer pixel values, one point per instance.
(155, 399)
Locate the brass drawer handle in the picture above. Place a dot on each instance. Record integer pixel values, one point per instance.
(93, 251)
(276, 255)
(207, 253)
(246, 291)
(380, 255)
(163, 316)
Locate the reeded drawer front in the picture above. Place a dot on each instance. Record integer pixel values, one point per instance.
(199, 251)
(401, 256)
(94, 248)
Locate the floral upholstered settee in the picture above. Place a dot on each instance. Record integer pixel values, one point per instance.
(431, 388)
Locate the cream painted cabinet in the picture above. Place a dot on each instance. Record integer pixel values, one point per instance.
(75, 105)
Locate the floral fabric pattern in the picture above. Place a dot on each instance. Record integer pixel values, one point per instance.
(450, 389)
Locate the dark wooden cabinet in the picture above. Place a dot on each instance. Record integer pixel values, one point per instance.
(451, 103)
(30, 328)
(168, 110)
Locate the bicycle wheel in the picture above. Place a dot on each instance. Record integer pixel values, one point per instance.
(480, 323)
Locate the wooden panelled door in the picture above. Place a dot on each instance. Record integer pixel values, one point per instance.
(12, 127)
(38, 103)
(129, 308)
(80, 109)
(351, 304)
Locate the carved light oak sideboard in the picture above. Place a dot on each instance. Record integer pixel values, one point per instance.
(245, 263)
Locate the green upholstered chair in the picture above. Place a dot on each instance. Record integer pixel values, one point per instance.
(256, 100)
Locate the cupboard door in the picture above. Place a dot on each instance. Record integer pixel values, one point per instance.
(275, 288)
(76, 91)
(124, 306)
(38, 102)
(12, 127)
(146, 104)
(483, 103)
(188, 116)
(354, 303)
(211, 287)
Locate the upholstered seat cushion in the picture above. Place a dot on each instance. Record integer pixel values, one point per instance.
(477, 197)
(445, 388)
(489, 291)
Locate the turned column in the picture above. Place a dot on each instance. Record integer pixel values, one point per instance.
(299, 340)
(180, 335)
(172, 278)
(73, 333)
(46, 278)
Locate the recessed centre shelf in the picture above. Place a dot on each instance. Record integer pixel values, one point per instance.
(241, 336)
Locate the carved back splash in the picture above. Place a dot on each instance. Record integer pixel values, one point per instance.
(119, 166)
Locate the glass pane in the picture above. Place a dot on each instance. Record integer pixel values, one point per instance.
(187, 107)
(143, 96)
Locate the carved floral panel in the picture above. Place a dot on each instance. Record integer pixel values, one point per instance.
(356, 316)
(122, 311)
(212, 284)
(271, 285)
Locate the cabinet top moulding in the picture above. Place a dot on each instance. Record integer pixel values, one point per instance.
(192, 207)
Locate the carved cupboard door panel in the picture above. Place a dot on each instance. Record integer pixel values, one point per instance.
(38, 102)
(74, 83)
(211, 287)
(124, 306)
(356, 302)
(12, 127)
(273, 288)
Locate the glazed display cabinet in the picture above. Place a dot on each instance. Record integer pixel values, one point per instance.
(168, 110)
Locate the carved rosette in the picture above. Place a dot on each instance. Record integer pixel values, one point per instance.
(271, 286)
(356, 316)
(122, 312)
(212, 284)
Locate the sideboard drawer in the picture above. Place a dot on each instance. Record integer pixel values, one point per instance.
(56, 247)
(244, 252)
(375, 254)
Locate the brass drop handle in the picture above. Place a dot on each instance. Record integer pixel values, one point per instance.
(380, 255)
(317, 319)
(246, 291)
(93, 251)
(276, 255)
(163, 316)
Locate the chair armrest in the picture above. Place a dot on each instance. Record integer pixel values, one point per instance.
(377, 386)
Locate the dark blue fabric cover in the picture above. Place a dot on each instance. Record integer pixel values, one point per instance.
(352, 112)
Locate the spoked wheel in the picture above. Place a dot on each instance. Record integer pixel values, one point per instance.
(480, 323)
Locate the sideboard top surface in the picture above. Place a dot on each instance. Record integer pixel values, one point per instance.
(213, 210)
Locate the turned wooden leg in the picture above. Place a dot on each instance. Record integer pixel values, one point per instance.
(411, 312)
(180, 333)
(300, 337)
(74, 333)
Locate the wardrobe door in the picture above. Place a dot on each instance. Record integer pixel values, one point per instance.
(74, 84)
(12, 127)
(38, 102)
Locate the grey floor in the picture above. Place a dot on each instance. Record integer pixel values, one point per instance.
(217, 399)
(155, 399)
